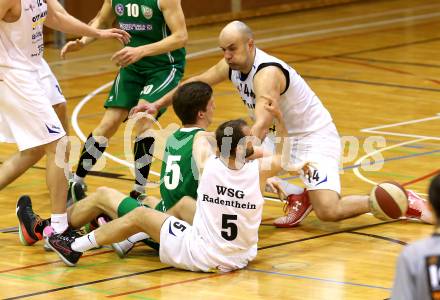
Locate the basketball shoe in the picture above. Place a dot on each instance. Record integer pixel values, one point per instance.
(296, 209)
(62, 245)
(134, 194)
(122, 248)
(76, 192)
(418, 208)
(138, 196)
(30, 228)
(47, 232)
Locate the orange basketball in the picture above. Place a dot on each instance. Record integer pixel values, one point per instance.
(388, 201)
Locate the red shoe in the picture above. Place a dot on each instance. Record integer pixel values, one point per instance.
(417, 207)
(296, 209)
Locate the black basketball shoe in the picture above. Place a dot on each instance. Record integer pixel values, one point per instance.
(62, 245)
(75, 193)
(30, 228)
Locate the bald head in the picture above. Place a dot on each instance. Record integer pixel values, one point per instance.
(237, 42)
(236, 30)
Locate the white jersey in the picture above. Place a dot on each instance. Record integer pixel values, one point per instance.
(21, 42)
(229, 209)
(302, 110)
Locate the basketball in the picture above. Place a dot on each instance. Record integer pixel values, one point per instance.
(388, 201)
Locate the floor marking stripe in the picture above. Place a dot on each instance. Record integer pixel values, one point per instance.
(320, 279)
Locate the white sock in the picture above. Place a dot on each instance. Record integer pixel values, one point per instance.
(138, 237)
(139, 188)
(76, 178)
(59, 222)
(291, 188)
(85, 242)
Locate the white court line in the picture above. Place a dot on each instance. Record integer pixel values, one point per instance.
(374, 129)
(329, 22)
(402, 123)
(74, 119)
(415, 136)
(359, 161)
(272, 199)
(75, 60)
(351, 27)
(94, 57)
(296, 35)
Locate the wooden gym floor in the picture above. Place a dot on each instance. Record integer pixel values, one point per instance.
(374, 64)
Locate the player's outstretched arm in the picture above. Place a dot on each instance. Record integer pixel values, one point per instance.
(271, 166)
(104, 19)
(204, 146)
(269, 83)
(59, 19)
(175, 20)
(214, 75)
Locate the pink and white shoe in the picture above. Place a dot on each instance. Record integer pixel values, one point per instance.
(418, 208)
(296, 209)
(47, 232)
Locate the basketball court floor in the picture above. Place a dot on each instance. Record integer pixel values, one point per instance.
(376, 67)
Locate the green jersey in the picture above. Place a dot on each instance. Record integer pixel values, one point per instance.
(146, 24)
(179, 175)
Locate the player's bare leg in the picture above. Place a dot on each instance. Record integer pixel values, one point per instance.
(141, 219)
(328, 205)
(21, 161)
(184, 210)
(30, 224)
(98, 140)
(104, 201)
(113, 118)
(55, 179)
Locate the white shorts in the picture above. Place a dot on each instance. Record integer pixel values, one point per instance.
(183, 248)
(51, 85)
(27, 117)
(323, 148)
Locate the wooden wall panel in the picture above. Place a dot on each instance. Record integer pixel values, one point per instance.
(84, 10)
(250, 4)
(197, 8)
(288, 5)
(206, 12)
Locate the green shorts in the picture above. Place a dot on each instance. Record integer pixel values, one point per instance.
(127, 205)
(132, 84)
(165, 205)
